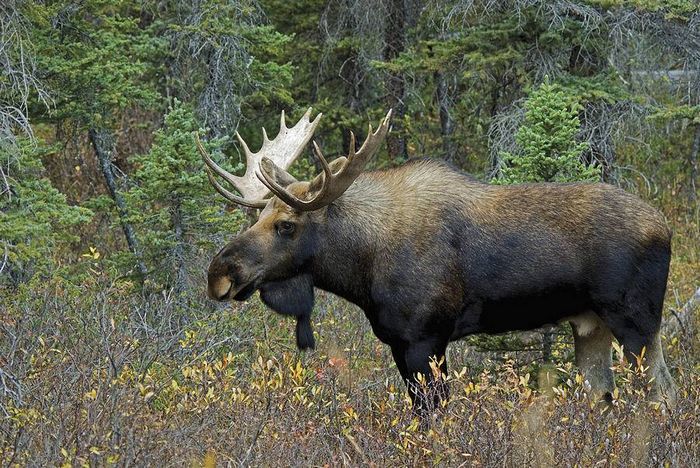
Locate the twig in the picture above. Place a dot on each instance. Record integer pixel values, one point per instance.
(683, 318)
(4, 258)
(258, 432)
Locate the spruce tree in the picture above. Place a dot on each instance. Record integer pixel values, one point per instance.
(549, 150)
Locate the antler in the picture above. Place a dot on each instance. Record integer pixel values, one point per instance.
(284, 150)
(334, 184)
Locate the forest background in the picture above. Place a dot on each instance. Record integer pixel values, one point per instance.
(111, 354)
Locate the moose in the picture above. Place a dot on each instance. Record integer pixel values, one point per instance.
(431, 255)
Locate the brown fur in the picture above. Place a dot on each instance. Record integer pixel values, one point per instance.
(432, 255)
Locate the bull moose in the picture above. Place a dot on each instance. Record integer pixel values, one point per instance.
(431, 255)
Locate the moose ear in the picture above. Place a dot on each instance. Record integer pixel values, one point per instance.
(295, 297)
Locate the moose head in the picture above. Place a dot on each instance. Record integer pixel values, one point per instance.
(274, 255)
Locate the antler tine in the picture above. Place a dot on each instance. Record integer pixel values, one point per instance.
(231, 196)
(334, 185)
(283, 150)
(289, 143)
(228, 177)
(351, 147)
(248, 153)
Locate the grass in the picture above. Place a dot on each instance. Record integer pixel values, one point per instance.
(94, 373)
(108, 377)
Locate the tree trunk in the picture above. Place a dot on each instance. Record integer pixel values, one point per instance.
(547, 339)
(352, 75)
(179, 249)
(102, 142)
(446, 123)
(693, 162)
(395, 43)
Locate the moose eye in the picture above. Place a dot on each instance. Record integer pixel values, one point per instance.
(285, 228)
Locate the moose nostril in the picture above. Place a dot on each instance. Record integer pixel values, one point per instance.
(219, 288)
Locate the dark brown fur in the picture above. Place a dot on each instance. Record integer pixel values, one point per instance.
(431, 255)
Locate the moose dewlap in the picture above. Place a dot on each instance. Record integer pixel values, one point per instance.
(432, 255)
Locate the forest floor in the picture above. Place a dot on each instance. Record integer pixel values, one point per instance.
(94, 373)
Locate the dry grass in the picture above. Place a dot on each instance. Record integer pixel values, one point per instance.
(109, 378)
(93, 373)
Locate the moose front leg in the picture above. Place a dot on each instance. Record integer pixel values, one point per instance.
(428, 390)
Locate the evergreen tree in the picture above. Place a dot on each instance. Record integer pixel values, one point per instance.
(549, 151)
(36, 222)
(173, 207)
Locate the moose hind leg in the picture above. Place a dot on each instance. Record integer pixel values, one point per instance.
(592, 346)
(635, 321)
(663, 386)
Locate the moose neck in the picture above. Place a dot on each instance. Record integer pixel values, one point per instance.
(353, 231)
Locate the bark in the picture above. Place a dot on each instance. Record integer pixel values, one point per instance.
(547, 339)
(179, 250)
(446, 122)
(395, 44)
(352, 75)
(693, 162)
(102, 142)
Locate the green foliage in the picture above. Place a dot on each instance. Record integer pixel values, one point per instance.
(36, 222)
(225, 60)
(180, 371)
(672, 9)
(547, 139)
(172, 204)
(97, 58)
(674, 111)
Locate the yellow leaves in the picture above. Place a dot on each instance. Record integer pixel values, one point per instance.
(674, 342)
(145, 392)
(524, 380)
(350, 414)
(189, 339)
(91, 395)
(209, 459)
(23, 417)
(67, 463)
(93, 254)
(619, 352)
(460, 374)
(470, 388)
